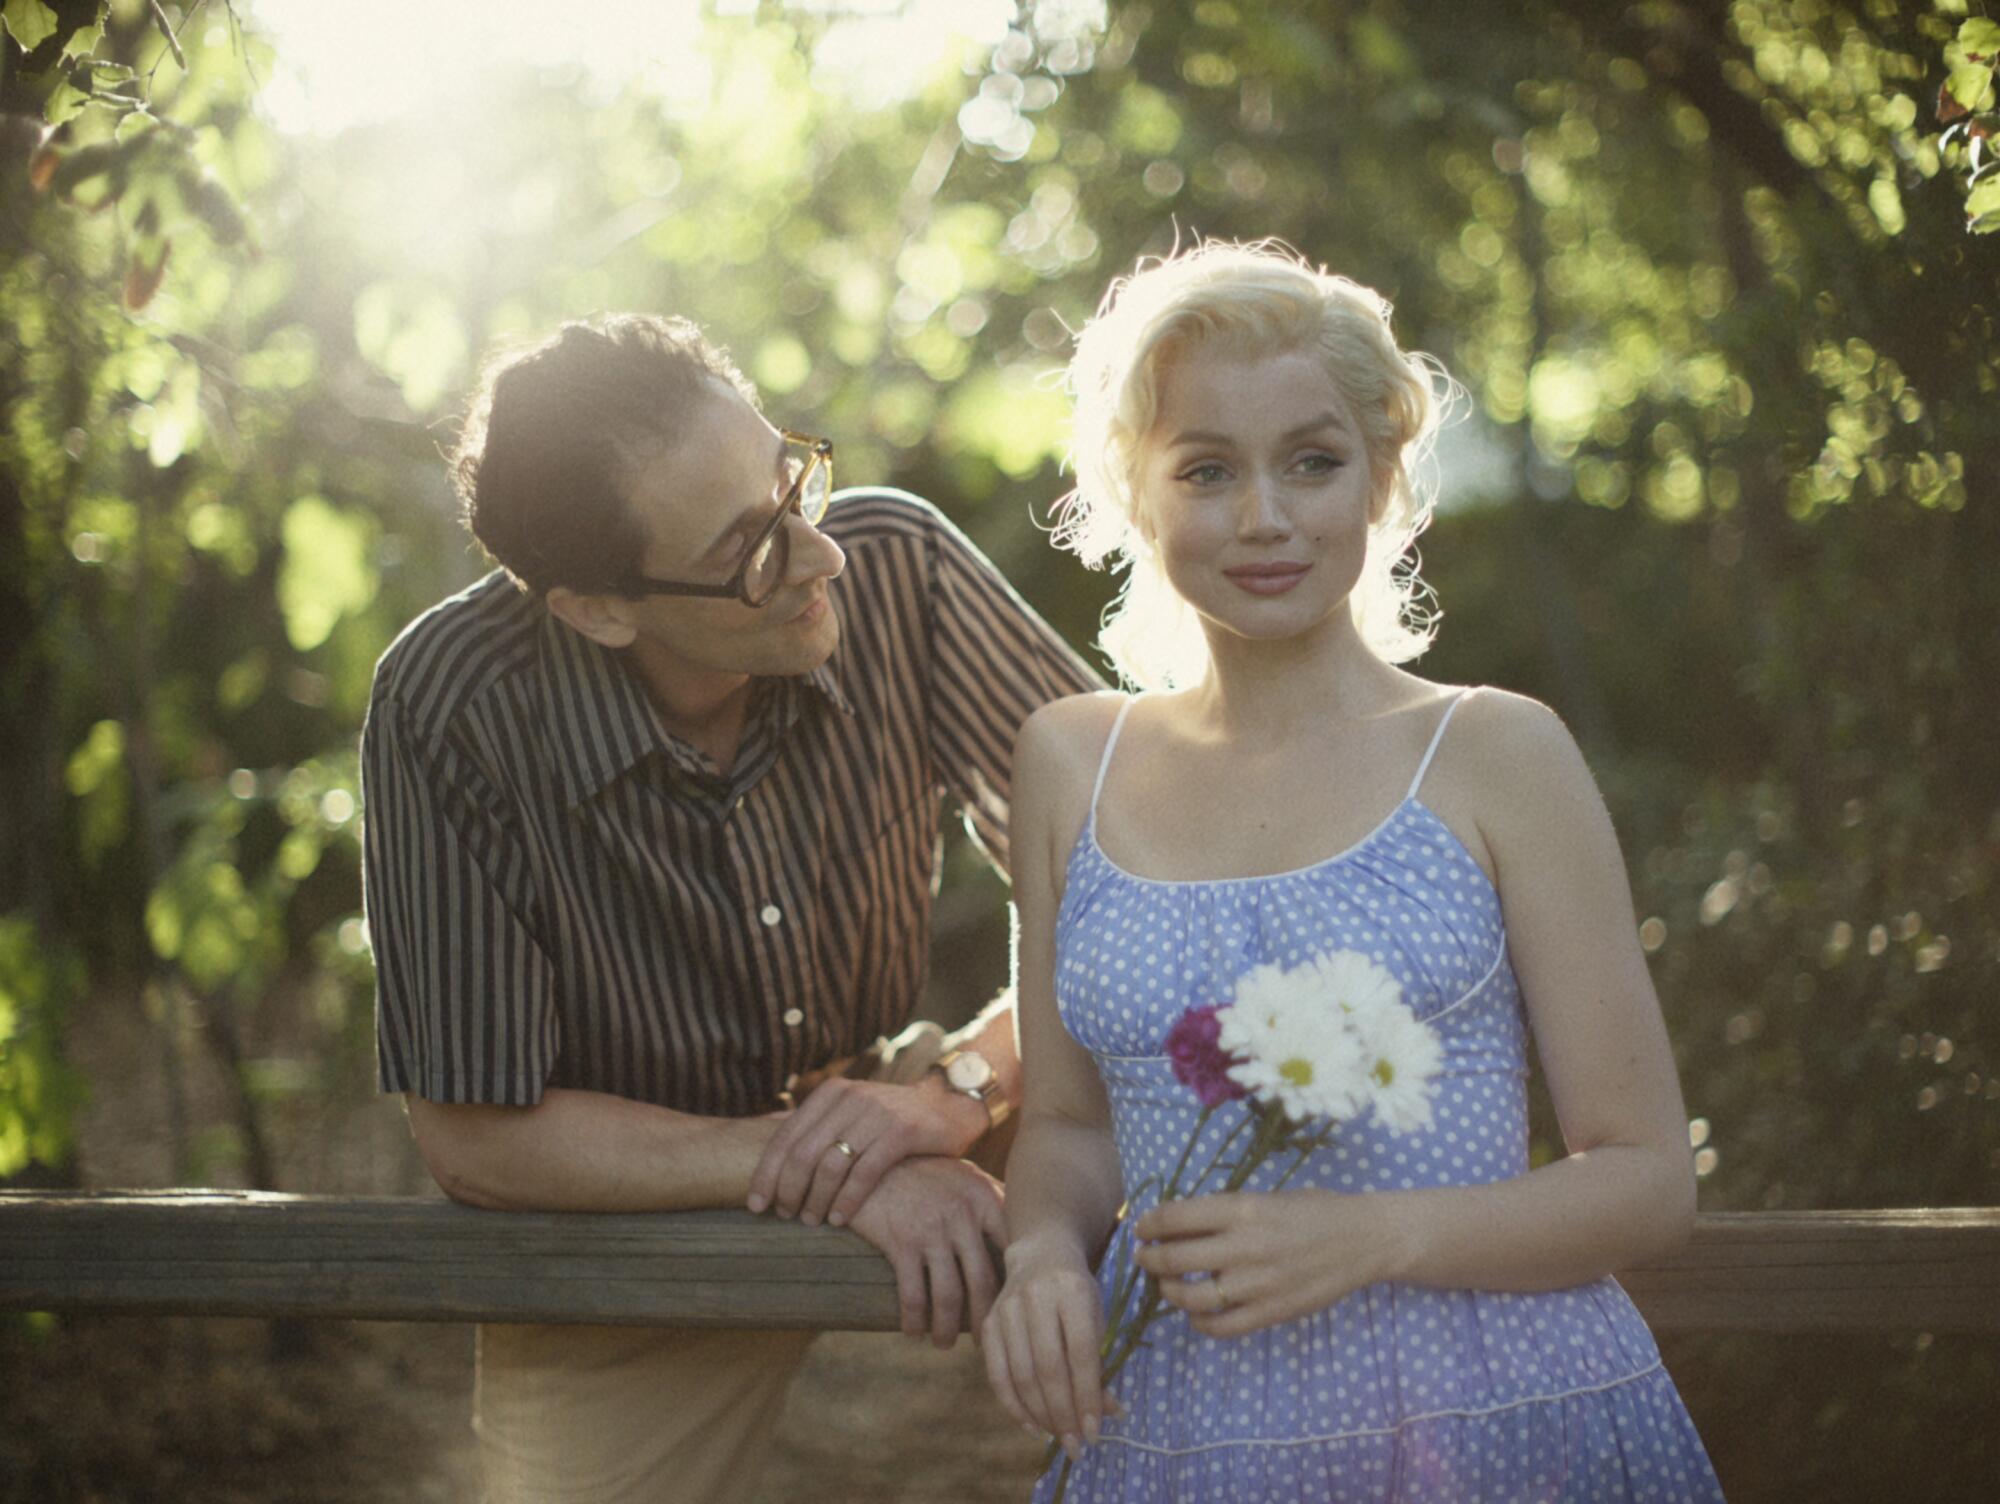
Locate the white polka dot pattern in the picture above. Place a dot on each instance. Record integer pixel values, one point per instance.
(1396, 1392)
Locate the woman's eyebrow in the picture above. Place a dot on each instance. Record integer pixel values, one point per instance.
(1310, 427)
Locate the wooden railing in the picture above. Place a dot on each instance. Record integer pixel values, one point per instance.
(225, 1253)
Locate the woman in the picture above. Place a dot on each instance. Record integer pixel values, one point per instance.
(1416, 1317)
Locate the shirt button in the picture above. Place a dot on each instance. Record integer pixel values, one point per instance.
(770, 914)
(794, 1017)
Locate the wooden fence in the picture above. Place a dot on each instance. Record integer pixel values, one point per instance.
(227, 1253)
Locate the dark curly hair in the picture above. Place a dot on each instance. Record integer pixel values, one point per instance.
(545, 460)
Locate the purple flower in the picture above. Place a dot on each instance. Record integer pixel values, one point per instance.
(1200, 1062)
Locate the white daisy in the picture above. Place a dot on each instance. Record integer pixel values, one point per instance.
(1296, 1043)
(1360, 986)
(1401, 1056)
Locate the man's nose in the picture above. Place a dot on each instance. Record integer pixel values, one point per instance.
(814, 556)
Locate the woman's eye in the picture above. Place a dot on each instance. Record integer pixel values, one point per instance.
(1203, 475)
(1319, 464)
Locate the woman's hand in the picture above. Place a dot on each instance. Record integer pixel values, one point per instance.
(1043, 1343)
(1262, 1258)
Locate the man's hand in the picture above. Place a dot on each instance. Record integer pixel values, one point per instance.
(806, 1171)
(932, 1218)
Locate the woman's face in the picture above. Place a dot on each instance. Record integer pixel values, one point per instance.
(1254, 486)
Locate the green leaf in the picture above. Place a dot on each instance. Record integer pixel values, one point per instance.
(1982, 206)
(414, 335)
(1981, 37)
(30, 21)
(1011, 416)
(96, 776)
(83, 42)
(1887, 203)
(326, 573)
(64, 104)
(1973, 87)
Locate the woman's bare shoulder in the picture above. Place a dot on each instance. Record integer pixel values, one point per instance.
(1056, 758)
(1513, 766)
(1513, 737)
(1068, 733)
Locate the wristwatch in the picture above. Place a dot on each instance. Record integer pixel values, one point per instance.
(971, 1073)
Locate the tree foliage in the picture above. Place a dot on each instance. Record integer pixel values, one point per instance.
(1715, 273)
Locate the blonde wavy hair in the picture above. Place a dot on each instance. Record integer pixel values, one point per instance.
(1264, 297)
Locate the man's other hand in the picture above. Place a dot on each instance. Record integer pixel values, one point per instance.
(828, 1157)
(932, 1219)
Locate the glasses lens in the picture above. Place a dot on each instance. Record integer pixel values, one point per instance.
(818, 486)
(767, 568)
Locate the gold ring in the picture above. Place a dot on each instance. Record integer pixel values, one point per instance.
(1221, 1300)
(845, 1147)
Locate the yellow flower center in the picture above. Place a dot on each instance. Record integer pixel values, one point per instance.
(1297, 1070)
(1384, 1072)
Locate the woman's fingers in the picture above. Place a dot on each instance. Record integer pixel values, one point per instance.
(1080, 1329)
(1184, 1256)
(995, 1340)
(1190, 1216)
(1058, 1412)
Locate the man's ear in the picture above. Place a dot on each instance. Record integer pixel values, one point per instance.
(601, 618)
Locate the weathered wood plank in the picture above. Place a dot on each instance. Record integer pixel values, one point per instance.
(224, 1253)
(227, 1253)
(1934, 1270)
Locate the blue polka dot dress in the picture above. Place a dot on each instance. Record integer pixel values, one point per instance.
(1396, 1392)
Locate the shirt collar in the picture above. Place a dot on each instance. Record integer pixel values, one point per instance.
(599, 722)
(826, 679)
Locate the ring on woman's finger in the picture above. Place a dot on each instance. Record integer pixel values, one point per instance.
(1221, 1300)
(845, 1147)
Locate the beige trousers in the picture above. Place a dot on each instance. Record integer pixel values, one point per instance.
(651, 1415)
(628, 1415)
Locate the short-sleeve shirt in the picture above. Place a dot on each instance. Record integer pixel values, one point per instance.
(561, 893)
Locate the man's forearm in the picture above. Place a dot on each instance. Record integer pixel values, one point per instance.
(588, 1151)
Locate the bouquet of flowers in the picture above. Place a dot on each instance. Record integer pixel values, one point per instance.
(1307, 1048)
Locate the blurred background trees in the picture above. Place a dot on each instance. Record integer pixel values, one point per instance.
(1714, 272)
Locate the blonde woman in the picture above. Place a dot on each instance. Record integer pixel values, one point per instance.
(1419, 1317)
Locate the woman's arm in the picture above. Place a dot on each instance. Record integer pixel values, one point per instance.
(1063, 1183)
(1625, 1190)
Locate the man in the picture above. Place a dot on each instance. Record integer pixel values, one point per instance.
(652, 816)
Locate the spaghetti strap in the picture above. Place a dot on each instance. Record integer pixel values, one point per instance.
(1104, 761)
(1423, 767)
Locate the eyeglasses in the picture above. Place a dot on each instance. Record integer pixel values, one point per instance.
(762, 570)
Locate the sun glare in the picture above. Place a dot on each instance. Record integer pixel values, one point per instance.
(366, 61)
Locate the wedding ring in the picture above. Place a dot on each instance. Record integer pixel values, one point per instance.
(845, 1147)
(1221, 1300)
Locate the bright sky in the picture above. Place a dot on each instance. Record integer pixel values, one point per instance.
(360, 61)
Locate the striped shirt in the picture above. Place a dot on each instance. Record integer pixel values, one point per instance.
(561, 893)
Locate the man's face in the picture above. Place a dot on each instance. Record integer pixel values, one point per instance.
(701, 503)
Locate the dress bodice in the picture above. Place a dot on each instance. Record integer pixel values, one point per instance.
(1408, 896)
